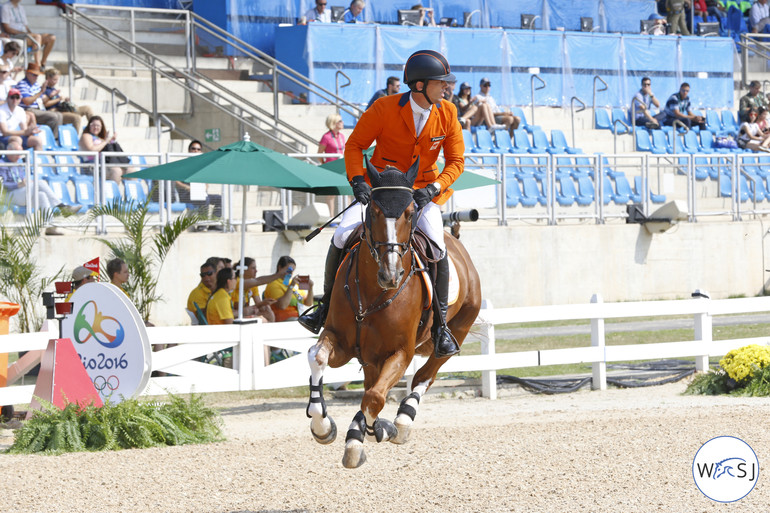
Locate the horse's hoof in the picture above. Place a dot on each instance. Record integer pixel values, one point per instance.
(329, 437)
(404, 430)
(354, 455)
(384, 430)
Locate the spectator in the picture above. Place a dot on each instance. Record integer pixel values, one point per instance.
(391, 87)
(319, 13)
(286, 293)
(117, 272)
(200, 295)
(219, 309)
(675, 16)
(465, 109)
(678, 108)
(489, 113)
(217, 263)
(763, 120)
(183, 193)
(659, 28)
(332, 141)
(642, 102)
(54, 101)
(11, 52)
(32, 99)
(6, 83)
(251, 285)
(80, 276)
(14, 181)
(759, 16)
(753, 99)
(354, 13)
(750, 136)
(96, 138)
(14, 21)
(426, 15)
(13, 124)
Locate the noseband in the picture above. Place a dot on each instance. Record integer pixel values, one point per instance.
(399, 248)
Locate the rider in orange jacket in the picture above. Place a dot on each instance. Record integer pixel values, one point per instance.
(419, 123)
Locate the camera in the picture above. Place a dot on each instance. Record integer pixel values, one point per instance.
(471, 215)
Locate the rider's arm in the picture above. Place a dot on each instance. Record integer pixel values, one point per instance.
(366, 131)
(454, 147)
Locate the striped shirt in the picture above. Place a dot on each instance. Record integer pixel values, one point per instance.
(26, 89)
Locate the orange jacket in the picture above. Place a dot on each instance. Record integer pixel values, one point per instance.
(389, 121)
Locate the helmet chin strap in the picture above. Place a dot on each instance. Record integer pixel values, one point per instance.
(424, 93)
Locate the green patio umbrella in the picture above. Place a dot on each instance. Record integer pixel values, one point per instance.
(467, 180)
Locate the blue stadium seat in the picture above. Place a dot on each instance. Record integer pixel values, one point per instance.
(484, 143)
(713, 122)
(68, 138)
(622, 187)
(703, 168)
(521, 142)
(66, 167)
(49, 141)
(655, 198)
(530, 190)
(707, 141)
(43, 170)
(660, 145)
(540, 143)
(503, 143)
(84, 193)
(134, 191)
(618, 113)
(642, 138)
(470, 144)
(59, 186)
(523, 124)
(728, 121)
(560, 142)
(111, 192)
(602, 119)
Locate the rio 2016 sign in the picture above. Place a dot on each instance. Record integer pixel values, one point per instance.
(111, 340)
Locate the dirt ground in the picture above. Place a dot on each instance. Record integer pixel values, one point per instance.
(623, 450)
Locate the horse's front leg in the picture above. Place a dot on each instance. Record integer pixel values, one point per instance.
(366, 423)
(322, 426)
(407, 411)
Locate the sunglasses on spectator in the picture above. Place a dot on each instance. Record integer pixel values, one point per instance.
(196, 148)
(206, 273)
(4, 71)
(15, 97)
(646, 83)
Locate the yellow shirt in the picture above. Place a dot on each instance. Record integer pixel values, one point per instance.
(253, 292)
(274, 290)
(200, 295)
(219, 307)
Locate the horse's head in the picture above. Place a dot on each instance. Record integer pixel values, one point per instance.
(389, 220)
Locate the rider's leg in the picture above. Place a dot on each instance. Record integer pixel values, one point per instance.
(432, 225)
(314, 319)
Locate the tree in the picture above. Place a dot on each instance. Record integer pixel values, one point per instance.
(21, 279)
(143, 251)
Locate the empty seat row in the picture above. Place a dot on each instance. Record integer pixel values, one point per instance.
(484, 142)
(662, 142)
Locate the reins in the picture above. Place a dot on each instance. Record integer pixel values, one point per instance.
(400, 248)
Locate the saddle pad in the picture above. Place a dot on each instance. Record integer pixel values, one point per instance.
(454, 283)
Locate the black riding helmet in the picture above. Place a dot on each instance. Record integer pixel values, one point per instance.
(424, 65)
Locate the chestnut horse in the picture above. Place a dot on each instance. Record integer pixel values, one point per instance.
(375, 315)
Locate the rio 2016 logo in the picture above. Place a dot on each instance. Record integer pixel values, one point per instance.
(105, 330)
(725, 469)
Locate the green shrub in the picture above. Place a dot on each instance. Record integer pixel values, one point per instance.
(125, 425)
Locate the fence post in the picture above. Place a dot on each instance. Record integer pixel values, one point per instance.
(703, 330)
(487, 336)
(597, 340)
(243, 357)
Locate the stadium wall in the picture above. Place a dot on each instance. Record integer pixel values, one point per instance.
(519, 265)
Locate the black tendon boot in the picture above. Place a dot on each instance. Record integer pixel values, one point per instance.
(314, 318)
(444, 343)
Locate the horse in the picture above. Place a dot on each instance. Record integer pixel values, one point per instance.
(376, 316)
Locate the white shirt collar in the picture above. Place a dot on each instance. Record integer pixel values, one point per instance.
(418, 113)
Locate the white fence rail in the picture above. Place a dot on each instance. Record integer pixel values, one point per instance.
(250, 372)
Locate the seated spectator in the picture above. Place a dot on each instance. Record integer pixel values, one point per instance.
(642, 103)
(659, 28)
(11, 51)
(6, 83)
(32, 99)
(763, 120)
(251, 285)
(488, 108)
(426, 15)
(759, 16)
(117, 272)
(15, 183)
(96, 138)
(754, 99)
(465, 109)
(676, 16)
(183, 193)
(678, 108)
(354, 13)
(15, 24)
(750, 136)
(80, 276)
(319, 13)
(219, 309)
(391, 87)
(715, 8)
(13, 124)
(54, 101)
(286, 293)
(200, 295)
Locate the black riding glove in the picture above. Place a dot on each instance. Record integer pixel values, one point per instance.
(423, 196)
(361, 189)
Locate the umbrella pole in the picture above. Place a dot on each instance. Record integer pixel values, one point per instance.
(243, 256)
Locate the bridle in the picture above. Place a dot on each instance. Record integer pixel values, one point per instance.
(400, 248)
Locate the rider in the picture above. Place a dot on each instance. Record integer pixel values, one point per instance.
(419, 123)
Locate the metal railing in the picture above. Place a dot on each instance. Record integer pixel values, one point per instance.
(593, 105)
(532, 94)
(572, 114)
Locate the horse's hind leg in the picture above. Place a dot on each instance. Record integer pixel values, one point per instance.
(322, 426)
(407, 411)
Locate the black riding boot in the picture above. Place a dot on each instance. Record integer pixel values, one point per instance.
(444, 343)
(314, 318)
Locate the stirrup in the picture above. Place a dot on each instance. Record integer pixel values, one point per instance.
(313, 318)
(443, 334)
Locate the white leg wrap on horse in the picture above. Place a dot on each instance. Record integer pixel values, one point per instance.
(315, 410)
(406, 413)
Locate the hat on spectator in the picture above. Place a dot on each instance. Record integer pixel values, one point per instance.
(655, 16)
(81, 273)
(13, 90)
(465, 85)
(484, 81)
(33, 68)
